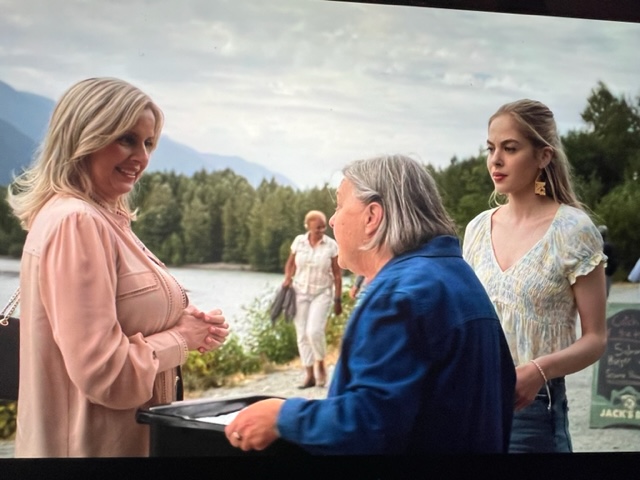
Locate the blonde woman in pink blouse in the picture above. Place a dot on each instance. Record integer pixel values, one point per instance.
(540, 258)
(104, 325)
(312, 268)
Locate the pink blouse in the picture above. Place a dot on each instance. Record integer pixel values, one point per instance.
(96, 340)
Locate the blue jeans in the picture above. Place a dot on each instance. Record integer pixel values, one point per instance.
(536, 429)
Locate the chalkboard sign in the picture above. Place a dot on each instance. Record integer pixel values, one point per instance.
(616, 386)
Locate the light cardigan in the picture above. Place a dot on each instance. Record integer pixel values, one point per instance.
(96, 334)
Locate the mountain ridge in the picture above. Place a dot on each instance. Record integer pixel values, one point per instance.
(23, 121)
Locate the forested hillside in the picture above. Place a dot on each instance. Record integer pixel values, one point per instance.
(221, 217)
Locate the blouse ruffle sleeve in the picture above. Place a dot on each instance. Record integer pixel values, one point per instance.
(584, 250)
(472, 242)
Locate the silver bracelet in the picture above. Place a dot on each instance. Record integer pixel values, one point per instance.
(546, 382)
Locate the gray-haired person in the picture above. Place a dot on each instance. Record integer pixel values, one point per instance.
(424, 365)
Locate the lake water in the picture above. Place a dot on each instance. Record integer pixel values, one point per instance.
(230, 290)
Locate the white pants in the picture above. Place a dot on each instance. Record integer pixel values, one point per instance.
(310, 322)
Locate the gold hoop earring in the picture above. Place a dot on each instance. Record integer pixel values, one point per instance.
(540, 187)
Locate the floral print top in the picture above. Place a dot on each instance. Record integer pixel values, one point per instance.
(534, 297)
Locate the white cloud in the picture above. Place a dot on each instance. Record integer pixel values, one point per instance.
(304, 86)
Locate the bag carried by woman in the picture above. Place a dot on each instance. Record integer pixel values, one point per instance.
(9, 350)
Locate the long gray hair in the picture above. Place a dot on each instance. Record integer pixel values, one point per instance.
(413, 209)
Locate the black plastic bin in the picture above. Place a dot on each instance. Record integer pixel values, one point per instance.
(176, 431)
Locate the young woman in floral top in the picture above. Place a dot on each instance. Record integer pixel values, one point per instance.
(540, 258)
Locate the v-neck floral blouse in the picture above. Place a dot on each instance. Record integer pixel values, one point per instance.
(534, 297)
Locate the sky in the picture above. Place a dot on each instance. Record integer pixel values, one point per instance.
(305, 86)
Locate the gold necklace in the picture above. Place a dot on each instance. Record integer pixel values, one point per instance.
(107, 207)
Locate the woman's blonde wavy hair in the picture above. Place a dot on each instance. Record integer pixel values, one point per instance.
(89, 116)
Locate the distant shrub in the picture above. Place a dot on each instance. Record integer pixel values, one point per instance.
(8, 414)
(272, 342)
(213, 369)
(265, 343)
(337, 323)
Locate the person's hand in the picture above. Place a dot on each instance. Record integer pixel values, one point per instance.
(353, 291)
(218, 331)
(287, 282)
(528, 384)
(337, 306)
(202, 331)
(255, 427)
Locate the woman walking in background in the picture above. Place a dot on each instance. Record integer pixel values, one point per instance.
(312, 268)
(540, 258)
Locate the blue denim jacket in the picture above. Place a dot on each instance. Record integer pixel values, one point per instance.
(424, 366)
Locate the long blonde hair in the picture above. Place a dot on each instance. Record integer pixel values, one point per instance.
(89, 116)
(538, 125)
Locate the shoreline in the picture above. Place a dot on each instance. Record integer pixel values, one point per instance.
(238, 267)
(224, 266)
(282, 381)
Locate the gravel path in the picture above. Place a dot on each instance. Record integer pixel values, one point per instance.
(283, 383)
(585, 439)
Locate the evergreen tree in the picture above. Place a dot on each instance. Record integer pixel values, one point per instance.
(235, 215)
(159, 219)
(619, 211)
(12, 236)
(197, 228)
(601, 154)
